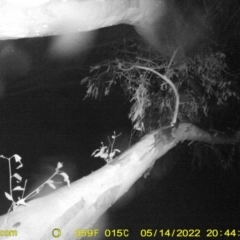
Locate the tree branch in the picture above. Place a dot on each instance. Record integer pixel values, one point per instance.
(38, 18)
(79, 206)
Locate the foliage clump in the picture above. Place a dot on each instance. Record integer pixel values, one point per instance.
(107, 152)
(202, 81)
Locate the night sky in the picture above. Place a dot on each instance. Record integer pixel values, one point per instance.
(44, 119)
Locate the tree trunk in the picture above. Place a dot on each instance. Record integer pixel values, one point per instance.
(38, 18)
(79, 206)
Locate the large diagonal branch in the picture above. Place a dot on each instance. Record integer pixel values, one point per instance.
(37, 18)
(79, 206)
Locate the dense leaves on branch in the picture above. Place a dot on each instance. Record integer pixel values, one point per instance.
(202, 82)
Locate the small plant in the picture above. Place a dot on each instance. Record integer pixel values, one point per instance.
(107, 153)
(22, 200)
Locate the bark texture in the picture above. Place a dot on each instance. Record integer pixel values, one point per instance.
(79, 206)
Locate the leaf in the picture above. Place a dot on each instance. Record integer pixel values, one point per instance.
(18, 188)
(97, 150)
(92, 68)
(59, 165)
(8, 196)
(101, 152)
(104, 155)
(112, 154)
(65, 177)
(17, 176)
(106, 91)
(50, 183)
(17, 158)
(20, 166)
(21, 202)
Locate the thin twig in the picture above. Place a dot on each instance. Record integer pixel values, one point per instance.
(170, 63)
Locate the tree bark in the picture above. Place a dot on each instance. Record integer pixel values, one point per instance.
(38, 18)
(79, 206)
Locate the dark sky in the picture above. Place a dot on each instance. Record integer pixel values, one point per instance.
(44, 119)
